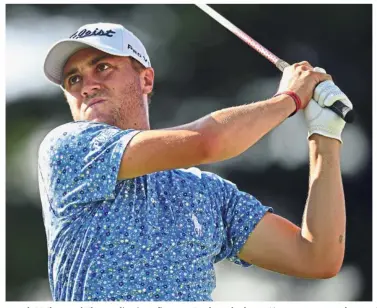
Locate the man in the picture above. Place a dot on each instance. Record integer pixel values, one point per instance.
(125, 219)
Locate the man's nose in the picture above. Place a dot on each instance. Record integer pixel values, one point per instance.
(90, 86)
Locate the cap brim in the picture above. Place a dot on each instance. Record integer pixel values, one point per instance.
(59, 54)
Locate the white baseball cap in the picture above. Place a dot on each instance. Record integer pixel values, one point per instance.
(111, 38)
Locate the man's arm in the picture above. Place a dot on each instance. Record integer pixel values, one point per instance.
(317, 249)
(221, 135)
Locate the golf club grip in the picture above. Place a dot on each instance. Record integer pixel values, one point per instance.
(346, 113)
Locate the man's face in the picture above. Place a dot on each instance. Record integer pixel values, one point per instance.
(105, 88)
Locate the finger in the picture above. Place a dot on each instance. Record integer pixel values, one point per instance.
(325, 77)
(320, 76)
(304, 64)
(319, 70)
(305, 68)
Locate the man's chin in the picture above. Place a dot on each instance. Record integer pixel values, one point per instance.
(105, 120)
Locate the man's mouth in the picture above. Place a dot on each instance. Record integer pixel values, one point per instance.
(95, 102)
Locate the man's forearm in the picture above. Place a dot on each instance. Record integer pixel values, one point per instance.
(233, 130)
(324, 217)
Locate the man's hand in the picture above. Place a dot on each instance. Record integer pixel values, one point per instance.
(327, 93)
(301, 78)
(322, 120)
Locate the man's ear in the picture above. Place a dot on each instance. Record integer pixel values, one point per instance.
(147, 80)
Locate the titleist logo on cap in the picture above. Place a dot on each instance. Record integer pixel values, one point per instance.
(97, 32)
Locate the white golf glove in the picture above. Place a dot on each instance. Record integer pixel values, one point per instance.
(324, 121)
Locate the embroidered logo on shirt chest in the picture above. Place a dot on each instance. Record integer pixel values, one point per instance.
(198, 227)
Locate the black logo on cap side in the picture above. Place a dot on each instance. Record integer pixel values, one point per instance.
(137, 53)
(97, 32)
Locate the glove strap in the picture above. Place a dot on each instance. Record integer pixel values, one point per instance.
(295, 97)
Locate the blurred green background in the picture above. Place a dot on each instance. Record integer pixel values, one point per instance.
(201, 67)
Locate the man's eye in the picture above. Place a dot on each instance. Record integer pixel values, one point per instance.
(74, 79)
(102, 66)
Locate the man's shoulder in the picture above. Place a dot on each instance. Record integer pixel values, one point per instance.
(67, 132)
(78, 127)
(77, 130)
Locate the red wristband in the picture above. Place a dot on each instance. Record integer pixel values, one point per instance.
(295, 97)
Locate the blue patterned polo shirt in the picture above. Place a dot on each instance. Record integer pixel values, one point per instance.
(151, 238)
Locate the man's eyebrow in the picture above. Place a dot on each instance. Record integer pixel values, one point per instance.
(70, 72)
(91, 62)
(95, 60)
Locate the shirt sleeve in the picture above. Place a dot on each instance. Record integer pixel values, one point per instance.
(238, 215)
(79, 162)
